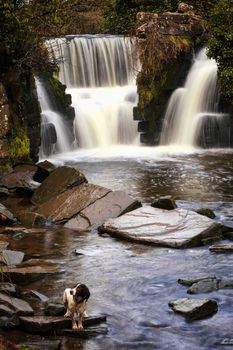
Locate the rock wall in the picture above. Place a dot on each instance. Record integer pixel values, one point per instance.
(165, 44)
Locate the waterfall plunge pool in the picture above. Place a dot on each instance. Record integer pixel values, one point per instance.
(133, 283)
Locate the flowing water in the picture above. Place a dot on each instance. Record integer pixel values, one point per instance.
(195, 107)
(132, 284)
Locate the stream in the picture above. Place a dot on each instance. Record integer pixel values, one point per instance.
(131, 283)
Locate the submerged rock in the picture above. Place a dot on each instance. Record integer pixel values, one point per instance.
(222, 248)
(178, 228)
(204, 286)
(194, 309)
(110, 206)
(58, 181)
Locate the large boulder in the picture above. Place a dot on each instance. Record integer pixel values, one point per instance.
(112, 205)
(64, 206)
(58, 181)
(178, 228)
(194, 309)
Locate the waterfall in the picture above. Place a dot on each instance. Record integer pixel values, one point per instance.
(55, 136)
(192, 117)
(99, 72)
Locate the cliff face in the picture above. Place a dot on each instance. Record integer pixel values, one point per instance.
(165, 46)
(19, 121)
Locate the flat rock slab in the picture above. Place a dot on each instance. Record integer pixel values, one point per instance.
(110, 206)
(194, 309)
(178, 228)
(11, 257)
(30, 270)
(20, 306)
(49, 324)
(57, 182)
(222, 248)
(69, 203)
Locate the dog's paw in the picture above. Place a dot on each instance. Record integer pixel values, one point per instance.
(75, 329)
(80, 328)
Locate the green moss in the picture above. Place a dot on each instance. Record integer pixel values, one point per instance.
(19, 147)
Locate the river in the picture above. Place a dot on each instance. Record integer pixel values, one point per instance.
(132, 284)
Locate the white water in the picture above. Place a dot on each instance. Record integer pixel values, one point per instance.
(100, 76)
(188, 106)
(50, 116)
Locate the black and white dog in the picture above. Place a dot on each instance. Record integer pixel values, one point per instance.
(75, 300)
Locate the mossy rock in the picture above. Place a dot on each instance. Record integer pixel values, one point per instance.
(206, 212)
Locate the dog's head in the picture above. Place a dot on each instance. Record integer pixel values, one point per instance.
(80, 293)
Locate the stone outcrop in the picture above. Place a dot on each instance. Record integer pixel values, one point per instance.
(178, 228)
(165, 44)
(194, 309)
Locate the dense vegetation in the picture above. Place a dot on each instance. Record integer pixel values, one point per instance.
(220, 44)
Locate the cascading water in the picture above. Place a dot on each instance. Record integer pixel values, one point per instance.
(55, 136)
(192, 117)
(99, 73)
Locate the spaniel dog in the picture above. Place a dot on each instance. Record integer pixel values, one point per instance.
(75, 300)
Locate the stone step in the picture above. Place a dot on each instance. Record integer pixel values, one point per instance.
(49, 324)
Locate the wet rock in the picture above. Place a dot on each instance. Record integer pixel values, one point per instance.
(6, 217)
(58, 181)
(191, 280)
(49, 324)
(11, 257)
(13, 230)
(206, 212)
(69, 203)
(194, 309)
(31, 219)
(9, 322)
(6, 311)
(111, 206)
(41, 345)
(44, 170)
(54, 308)
(84, 333)
(166, 202)
(3, 245)
(33, 294)
(178, 228)
(222, 248)
(19, 306)
(225, 283)
(21, 178)
(29, 271)
(204, 286)
(9, 288)
(4, 192)
(229, 235)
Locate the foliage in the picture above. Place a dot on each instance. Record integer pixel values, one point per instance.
(120, 15)
(220, 44)
(19, 148)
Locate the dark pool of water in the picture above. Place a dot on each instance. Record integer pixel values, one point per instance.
(132, 284)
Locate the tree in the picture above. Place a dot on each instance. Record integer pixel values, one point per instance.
(220, 44)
